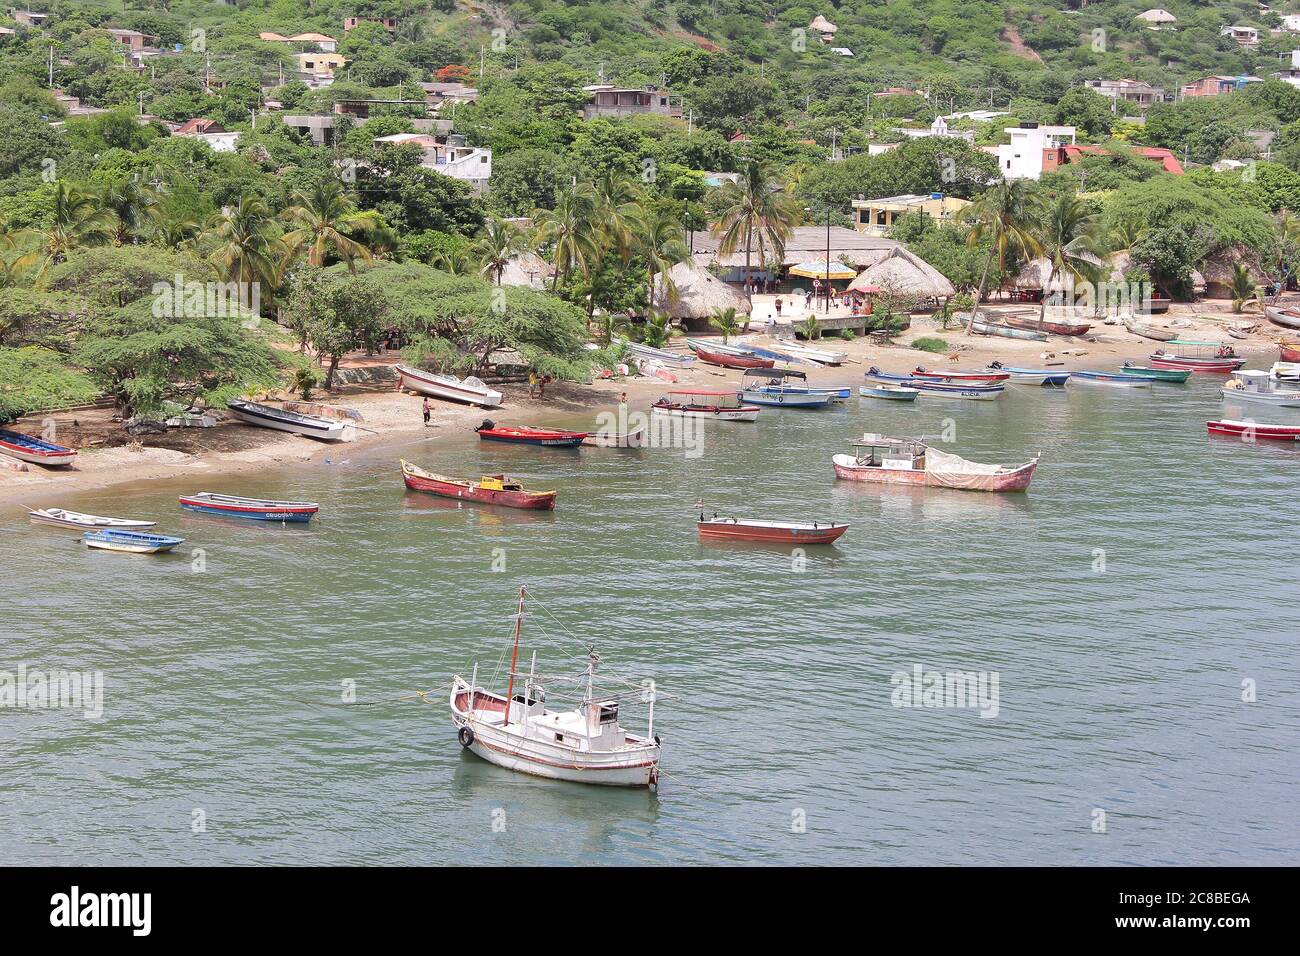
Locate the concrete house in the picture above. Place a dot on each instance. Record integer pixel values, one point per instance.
(1127, 91)
(605, 100)
(1022, 158)
(450, 156)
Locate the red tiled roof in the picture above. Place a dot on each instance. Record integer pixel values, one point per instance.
(1167, 160)
(191, 127)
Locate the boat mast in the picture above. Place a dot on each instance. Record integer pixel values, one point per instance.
(514, 656)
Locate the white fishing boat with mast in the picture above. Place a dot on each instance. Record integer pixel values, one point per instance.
(585, 745)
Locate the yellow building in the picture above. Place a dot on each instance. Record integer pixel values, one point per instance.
(876, 216)
(320, 64)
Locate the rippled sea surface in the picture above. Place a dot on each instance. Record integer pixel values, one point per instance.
(1122, 603)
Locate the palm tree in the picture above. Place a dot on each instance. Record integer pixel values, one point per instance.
(725, 321)
(248, 250)
(571, 230)
(658, 330)
(498, 243)
(78, 220)
(129, 204)
(1008, 214)
(459, 261)
(620, 211)
(1286, 230)
(169, 230)
(662, 242)
(1243, 286)
(756, 211)
(1070, 241)
(323, 215)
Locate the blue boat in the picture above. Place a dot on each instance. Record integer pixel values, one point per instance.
(765, 386)
(132, 542)
(1111, 378)
(255, 509)
(937, 389)
(1046, 377)
(897, 393)
(772, 354)
(35, 450)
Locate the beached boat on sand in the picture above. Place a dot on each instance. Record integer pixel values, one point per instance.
(911, 461)
(130, 542)
(280, 419)
(980, 327)
(37, 451)
(1150, 331)
(61, 518)
(1252, 431)
(254, 509)
(1047, 326)
(1289, 351)
(584, 745)
(490, 490)
(714, 355)
(1288, 318)
(703, 403)
(469, 390)
(809, 354)
(649, 353)
(770, 532)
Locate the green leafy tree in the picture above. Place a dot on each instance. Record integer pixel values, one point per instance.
(1010, 215)
(336, 314)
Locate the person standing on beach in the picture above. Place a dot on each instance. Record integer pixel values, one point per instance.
(778, 307)
(541, 386)
(428, 411)
(532, 382)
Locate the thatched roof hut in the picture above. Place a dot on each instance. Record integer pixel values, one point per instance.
(822, 25)
(1037, 274)
(527, 269)
(905, 273)
(699, 292)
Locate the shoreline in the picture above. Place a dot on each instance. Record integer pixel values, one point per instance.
(392, 417)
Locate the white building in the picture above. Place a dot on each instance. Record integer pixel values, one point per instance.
(1022, 158)
(1291, 23)
(1244, 35)
(938, 128)
(470, 164)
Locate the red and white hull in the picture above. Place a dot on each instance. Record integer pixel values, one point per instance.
(1253, 431)
(1215, 366)
(469, 391)
(847, 467)
(744, 413)
(772, 532)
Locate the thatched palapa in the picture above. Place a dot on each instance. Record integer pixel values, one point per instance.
(905, 273)
(699, 292)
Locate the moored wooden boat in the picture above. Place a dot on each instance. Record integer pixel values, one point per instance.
(980, 327)
(1212, 357)
(280, 419)
(254, 509)
(131, 542)
(1289, 351)
(1042, 377)
(896, 393)
(911, 461)
(1114, 379)
(528, 435)
(731, 360)
(782, 389)
(1149, 331)
(973, 378)
(770, 532)
(1251, 431)
(490, 490)
(62, 518)
(585, 745)
(707, 404)
(956, 390)
(1287, 318)
(1155, 374)
(636, 438)
(1047, 326)
(37, 451)
(469, 390)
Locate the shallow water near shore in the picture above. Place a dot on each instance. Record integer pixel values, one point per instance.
(1121, 603)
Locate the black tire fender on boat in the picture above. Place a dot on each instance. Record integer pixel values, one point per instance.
(465, 736)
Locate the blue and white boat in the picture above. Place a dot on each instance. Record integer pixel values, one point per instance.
(674, 359)
(35, 450)
(255, 509)
(765, 386)
(131, 542)
(978, 393)
(766, 353)
(1113, 379)
(897, 393)
(1045, 377)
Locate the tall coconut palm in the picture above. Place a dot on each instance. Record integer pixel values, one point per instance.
(497, 244)
(662, 243)
(620, 205)
(1009, 214)
(322, 216)
(129, 203)
(1070, 240)
(169, 230)
(756, 212)
(571, 230)
(248, 249)
(78, 220)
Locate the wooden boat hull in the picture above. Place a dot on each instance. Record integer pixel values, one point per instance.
(444, 487)
(742, 414)
(970, 392)
(1006, 331)
(963, 378)
(1147, 331)
(1042, 377)
(83, 522)
(723, 360)
(1048, 327)
(1251, 431)
(633, 439)
(442, 386)
(309, 426)
(895, 393)
(820, 356)
(1013, 479)
(792, 533)
(1213, 366)
(1113, 379)
(673, 359)
(1289, 351)
(1155, 306)
(35, 451)
(1157, 374)
(130, 542)
(638, 766)
(1278, 399)
(788, 397)
(251, 509)
(542, 437)
(1287, 318)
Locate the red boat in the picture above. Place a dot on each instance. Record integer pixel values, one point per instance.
(772, 532)
(1046, 325)
(1250, 431)
(973, 377)
(732, 361)
(1214, 357)
(1290, 351)
(492, 490)
(527, 435)
(36, 450)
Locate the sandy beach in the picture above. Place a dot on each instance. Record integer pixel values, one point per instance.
(107, 458)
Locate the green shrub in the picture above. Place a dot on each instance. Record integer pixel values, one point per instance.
(931, 343)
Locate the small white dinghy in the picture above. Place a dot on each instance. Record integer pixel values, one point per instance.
(636, 438)
(584, 745)
(74, 519)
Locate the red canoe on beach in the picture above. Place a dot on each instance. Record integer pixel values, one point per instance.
(771, 532)
(1250, 431)
(732, 361)
(492, 490)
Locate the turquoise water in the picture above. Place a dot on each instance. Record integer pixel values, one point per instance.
(1119, 689)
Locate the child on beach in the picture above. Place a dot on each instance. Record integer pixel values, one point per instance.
(532, 382)
(428, 411)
